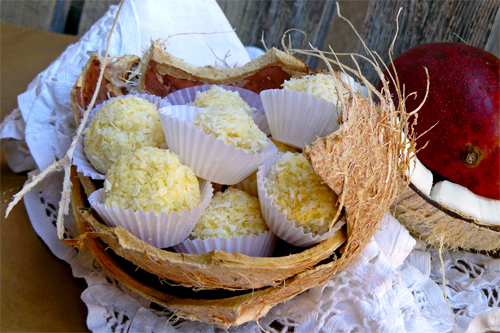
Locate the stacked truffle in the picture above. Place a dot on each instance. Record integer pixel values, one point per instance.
(215, 139)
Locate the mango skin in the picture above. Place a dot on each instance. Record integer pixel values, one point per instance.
(464, 105)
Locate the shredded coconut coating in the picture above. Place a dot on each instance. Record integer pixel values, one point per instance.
(121, 126)
(232, 213)
(233, 126)
(151, 179)
(300, 194)
(218, 97)
(284, 148)
(319, 85)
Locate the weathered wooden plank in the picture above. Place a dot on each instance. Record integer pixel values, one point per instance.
(59, 16)
(273, 17)
(92, 11)
(424, 21)
(33, 14)
(340, 35)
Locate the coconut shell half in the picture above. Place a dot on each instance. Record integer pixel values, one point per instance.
(440, 226)
(220, 308)
(213, 270)
(116, 74)
(162, 276)
(161, 73)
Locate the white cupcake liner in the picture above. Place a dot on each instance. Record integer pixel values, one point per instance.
(249, 186)
(210, 159)
(81, 161)
(278, 223)
(261, 245)
(298, 119)
(161, 230)
(188, 95)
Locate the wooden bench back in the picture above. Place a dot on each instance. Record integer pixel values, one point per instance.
(476, 23)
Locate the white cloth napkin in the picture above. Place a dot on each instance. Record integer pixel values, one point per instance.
(195, 30)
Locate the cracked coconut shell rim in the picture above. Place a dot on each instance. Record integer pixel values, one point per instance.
(365, 196)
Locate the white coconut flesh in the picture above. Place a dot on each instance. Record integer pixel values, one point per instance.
(454, 197)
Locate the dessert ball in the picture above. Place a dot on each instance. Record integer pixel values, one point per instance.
(218, 97)
(249, 184)
(232, 213)
(233, 126)
(121, 126)
(319, 85)
(300, 194)
(151, 179)
(284, 148)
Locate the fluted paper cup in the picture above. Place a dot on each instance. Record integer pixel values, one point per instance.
(298, 119)
(261, 245)
(277, 221)
(81, 161)
(161, 230)
(188, 95)
(210, 159)
(248, 185)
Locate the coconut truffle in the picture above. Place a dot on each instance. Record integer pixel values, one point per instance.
(249, 184)
(233, 126)
(151, 179)
(300, 194)
(121, 126)
(319, 85)
(232, 213)
(218, 97)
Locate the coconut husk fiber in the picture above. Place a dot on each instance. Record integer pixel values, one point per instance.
(360, 162)
(441, 227)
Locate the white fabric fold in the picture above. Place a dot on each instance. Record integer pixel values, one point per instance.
(195, 30)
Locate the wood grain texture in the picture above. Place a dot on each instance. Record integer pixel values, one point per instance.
(474, 23)
(92, 11)
(32, 14)
(341, 37)
(39, 292)
(59, 16)
(268, 20)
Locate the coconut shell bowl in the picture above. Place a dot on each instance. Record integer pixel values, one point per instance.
(228, 289)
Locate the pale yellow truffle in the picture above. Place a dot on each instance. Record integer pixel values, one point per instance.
(121, 126)
(249, 184)
(233, 126)
(319, 85)
(232, 213)
(218, 97)
(284, 148)
(300, 194)
(151, 179)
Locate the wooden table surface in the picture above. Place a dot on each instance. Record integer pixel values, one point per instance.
(38, 291)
